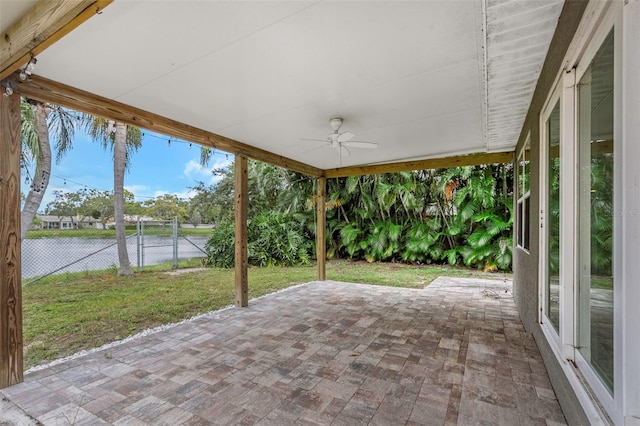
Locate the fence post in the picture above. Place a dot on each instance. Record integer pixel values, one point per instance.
(175, 243)
(142, 244)
(138, 242)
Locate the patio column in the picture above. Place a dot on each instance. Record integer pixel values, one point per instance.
(11, 362)
(321, 240)
(241, 209)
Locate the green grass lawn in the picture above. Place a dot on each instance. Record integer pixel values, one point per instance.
(67, 313)
(605, 283)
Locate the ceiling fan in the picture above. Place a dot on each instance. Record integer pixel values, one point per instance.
(342, 141)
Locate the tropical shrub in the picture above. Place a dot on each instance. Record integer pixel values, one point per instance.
(275, 239)
(220, 247)
(278, 239)
(460, 215)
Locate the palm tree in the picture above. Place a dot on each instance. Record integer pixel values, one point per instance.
(123, 140)
(38, 120)
(119, 161)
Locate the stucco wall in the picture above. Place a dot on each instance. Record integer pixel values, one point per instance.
(525, 279)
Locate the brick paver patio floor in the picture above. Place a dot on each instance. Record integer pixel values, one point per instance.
(322, 353)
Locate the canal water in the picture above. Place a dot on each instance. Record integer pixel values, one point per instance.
(59, 255)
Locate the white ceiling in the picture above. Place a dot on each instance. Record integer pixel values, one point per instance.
(412, 76)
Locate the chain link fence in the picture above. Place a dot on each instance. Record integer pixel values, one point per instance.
(72, 248)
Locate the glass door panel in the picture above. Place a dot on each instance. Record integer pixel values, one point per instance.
(552, 282)
(595, 228)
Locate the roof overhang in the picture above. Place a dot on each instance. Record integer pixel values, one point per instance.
(423, 80)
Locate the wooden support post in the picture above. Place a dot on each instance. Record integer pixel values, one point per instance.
(241, 209)
(321, 240)
(11, 361)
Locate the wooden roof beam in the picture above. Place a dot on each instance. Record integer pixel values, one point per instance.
(46, 90)
(45, 23)
(431, 163)
(57, 93)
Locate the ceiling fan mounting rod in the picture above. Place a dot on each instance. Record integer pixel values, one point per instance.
(336, 123)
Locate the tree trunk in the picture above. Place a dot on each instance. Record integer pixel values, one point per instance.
(42, 173)
(119, 156)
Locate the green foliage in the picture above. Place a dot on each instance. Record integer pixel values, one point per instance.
(30, 141)
(351, 240)
(269, 188)
(601, 217)
(220, 247)
(456, 216)
(275, 239)
(167, 207)
(418, 238)
(214, 202)
(86, 203)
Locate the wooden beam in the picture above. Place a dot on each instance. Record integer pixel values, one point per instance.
(56, 93)
(45, 23)
(431, 163)
(321, 227)
(11, 361)
(241, 211)
(598, 147)
(602, 147)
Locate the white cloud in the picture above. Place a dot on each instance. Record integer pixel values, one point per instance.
(183, 195)
(194, 170)
(136, 188)
(139, 191)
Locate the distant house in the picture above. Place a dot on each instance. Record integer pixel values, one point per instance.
(132, 220)
(66, 222)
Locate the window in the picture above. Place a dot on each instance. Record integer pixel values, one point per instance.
(551, 216)
(588, 168)
(595, 212)
(522, 212)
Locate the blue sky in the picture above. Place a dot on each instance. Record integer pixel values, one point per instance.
(156, 168)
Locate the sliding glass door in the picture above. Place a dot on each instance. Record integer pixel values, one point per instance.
(551, 218)
(583, 218)
(595, 212)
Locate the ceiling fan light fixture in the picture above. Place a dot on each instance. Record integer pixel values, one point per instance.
(342, 141)
(335, 123)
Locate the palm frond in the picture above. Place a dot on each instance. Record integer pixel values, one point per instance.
(30, 140)
(62, 125)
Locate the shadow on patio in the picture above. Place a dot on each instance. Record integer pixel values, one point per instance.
(321, 353)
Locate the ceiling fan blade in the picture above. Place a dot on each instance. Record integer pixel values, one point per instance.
(344, 151)
(345, 136)
(361, 144)
(306, 151)
(315, 140)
